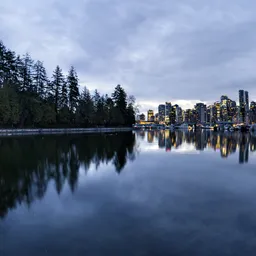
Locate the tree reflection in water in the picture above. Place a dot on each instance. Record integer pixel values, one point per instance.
(28, 164)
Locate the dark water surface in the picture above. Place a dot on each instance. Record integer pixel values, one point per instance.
(144, 193)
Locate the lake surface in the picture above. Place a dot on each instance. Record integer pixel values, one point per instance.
(141, 193)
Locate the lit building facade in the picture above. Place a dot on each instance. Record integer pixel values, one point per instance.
(173, 119)
(200, 113)
(179, 118)
(218, 110)
(253, 112)
(243, 105)
(213, 114)
(168, 106)
(161, 113)
(151, 116)
(142, 117)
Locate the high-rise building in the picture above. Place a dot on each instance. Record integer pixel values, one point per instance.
(224, 99)
(179, 118)
(188, 116)
(253, 112)
(243, 105)
(168, 106)
(142, 117)
(213, 114)
(246, 97)
(232, 110)
(224, 107)
(156, 117)
(173, 115)
(224, 112)
(200, 113)
(151, 115)
(208, 114)
(161, 113)
(218, 110)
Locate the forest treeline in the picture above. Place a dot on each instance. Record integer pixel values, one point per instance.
(28, 98)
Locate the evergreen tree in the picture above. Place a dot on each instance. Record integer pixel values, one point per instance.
(109, 106)
(64, 95)
(40, 80)
(56, 87)
(14, 107)
(2, 63)
(120, 102)
(5, 109)
(28, 98)
(64, 110)
(26, 73)
(85, 108)
(72, 81)
(131, 111)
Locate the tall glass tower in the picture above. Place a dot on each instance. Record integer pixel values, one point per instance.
(243, 104)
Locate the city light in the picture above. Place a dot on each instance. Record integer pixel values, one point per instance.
(224, 113)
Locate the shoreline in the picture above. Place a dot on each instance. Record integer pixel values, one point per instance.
(49, 131)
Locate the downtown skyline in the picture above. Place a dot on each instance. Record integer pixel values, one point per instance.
(224, 109)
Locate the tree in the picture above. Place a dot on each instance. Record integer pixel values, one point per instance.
(28, 98)
(85, 108)
(64, 113)
(120, 103)
(40, 80)
(2, 63)
(120, 99)
(15, 107)
(5, 109)
(56, 87)
(72, 82)
(99, 115)
(131, 111)
(26, 73)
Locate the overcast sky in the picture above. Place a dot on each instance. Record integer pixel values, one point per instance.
(183, 51)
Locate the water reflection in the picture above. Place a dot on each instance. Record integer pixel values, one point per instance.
(28, 164)
(226, 143)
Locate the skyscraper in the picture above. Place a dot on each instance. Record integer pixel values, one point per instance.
(179, 118)
(173, 119)
(253, 112)
(232, 110)
(168, 106)
(201, 112)
(161, 113)
(246, 97)
(188, 116)
(213, 114)
(243, 104)
(218, 112)
(224, 107)
(150, 115)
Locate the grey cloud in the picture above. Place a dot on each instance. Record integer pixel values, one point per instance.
(159, 51)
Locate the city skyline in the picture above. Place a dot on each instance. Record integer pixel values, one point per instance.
(224, 109)
(185, 105)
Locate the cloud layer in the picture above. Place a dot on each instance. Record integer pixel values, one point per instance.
(179, 51)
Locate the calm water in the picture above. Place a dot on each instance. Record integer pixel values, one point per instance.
(144, 193)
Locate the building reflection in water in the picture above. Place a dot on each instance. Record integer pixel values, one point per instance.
(225, 143)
